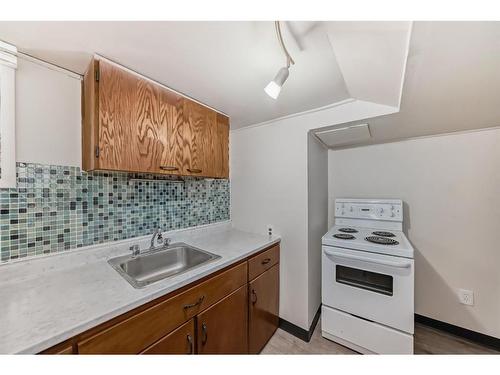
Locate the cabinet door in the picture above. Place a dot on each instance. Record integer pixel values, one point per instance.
(129, 126)
(180, 341)
(222, 329)
(200, 132)
(221, 147)
(263, 308)
(173, 134)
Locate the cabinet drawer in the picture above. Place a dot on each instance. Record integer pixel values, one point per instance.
(263, 262)
(139, 331)
(180, 341)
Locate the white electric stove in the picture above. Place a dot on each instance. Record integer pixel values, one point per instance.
(368, 278)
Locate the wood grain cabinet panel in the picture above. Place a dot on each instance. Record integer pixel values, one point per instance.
(173, 135)
(62, 348)
(222, 329)
(200, 124)
(180, 341)
(263, 309)
(130, 132)
(263, 261)
(139, 331)
(133, 124)
(221, 147)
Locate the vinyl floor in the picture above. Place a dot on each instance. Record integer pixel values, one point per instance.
(427, 341)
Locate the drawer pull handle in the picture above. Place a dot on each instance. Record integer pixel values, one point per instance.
(200, 300)
(190, 342)
(168, 168)
(194, 170)
(254, 297)
(267, 260)
(204, 333)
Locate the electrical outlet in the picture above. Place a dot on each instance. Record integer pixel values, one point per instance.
(466, 297)
(270, 229)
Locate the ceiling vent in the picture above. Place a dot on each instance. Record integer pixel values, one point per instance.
(345, 136)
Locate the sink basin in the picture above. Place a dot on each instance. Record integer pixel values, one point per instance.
(160, 263)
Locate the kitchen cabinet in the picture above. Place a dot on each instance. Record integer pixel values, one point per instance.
(62, 348)
(263, 308)
(200, 133)
(262, 262)
(133, 124)
(221, 147)
(142, 329)
(180, 341)
(223, 327)
(223, 313)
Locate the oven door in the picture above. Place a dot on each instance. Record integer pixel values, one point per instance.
(372, 286)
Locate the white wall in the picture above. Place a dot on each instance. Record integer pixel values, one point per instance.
(317, 204)
(48, 116)
(269, 185)
(451, 187)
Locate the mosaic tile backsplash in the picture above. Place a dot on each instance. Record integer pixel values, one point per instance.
(57, 208)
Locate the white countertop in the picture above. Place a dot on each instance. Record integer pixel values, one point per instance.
(46, 300)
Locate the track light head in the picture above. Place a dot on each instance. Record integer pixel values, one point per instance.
(273, 88)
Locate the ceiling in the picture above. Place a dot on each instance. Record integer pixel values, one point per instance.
(226, 65)
(452, 83)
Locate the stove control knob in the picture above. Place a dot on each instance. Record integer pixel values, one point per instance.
(380, 211)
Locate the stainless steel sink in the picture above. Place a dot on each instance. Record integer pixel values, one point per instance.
(160, 263)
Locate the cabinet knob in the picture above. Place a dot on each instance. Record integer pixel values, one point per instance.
(194, 170)
(265, 261)
(168, 168)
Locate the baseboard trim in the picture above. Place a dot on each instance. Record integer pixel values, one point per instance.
(299, 332)
(477, 337)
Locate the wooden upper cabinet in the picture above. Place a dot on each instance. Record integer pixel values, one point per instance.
(133, 124)
(173, 135)
(207, 136)
(221, 147)
(129, 121)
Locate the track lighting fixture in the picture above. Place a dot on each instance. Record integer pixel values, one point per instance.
(273, 89)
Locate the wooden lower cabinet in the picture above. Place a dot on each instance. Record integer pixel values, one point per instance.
(223, 327)
(63, 348)
(180, 341)
(223, 313)
(263, 320)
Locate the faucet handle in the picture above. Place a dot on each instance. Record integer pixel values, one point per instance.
(159, 238)
(134, 249)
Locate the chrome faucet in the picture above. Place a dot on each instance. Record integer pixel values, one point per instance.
(158, 237)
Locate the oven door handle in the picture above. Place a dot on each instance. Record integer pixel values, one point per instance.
(363, 259)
